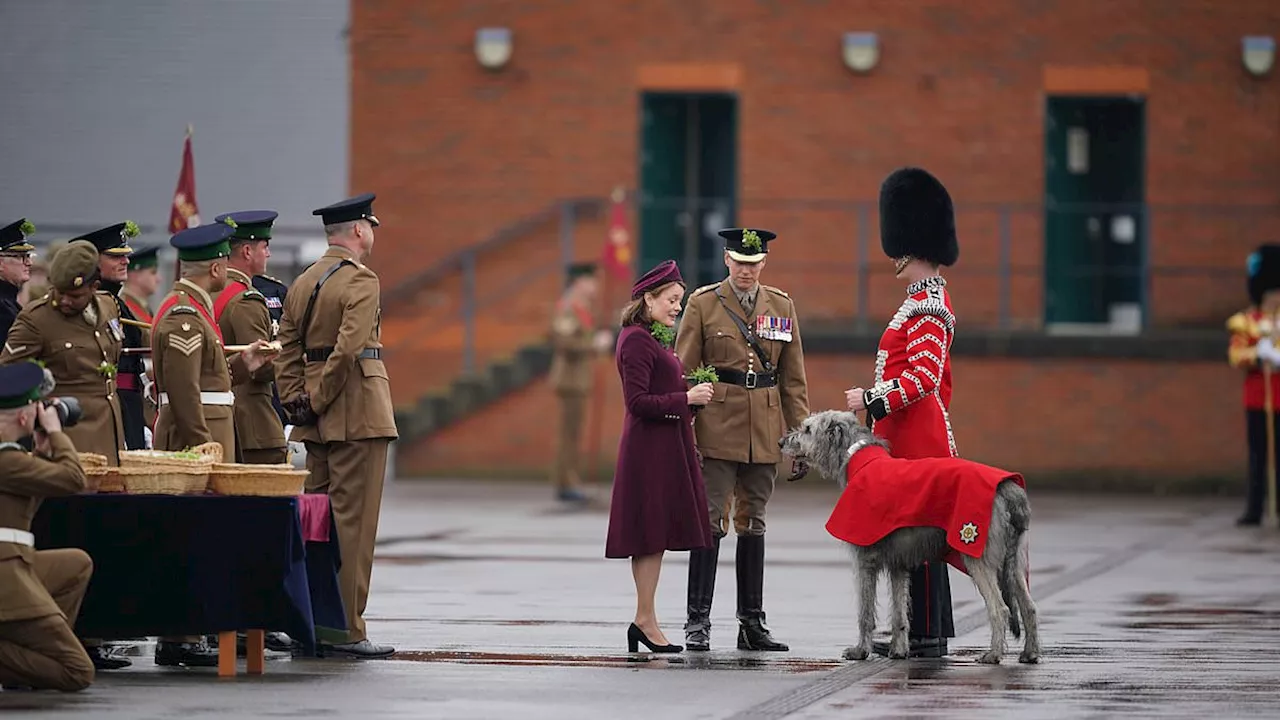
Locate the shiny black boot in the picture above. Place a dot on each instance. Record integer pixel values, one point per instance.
(702, 587)
(753, 634)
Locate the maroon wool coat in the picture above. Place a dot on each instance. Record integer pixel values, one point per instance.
(659, 502)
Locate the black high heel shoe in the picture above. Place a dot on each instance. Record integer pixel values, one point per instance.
(635, 636)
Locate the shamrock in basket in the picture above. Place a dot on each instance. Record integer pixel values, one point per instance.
(704, 374)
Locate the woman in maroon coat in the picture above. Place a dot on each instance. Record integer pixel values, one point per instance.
(659, 502)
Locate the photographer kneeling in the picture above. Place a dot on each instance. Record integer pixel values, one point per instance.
(40, 590)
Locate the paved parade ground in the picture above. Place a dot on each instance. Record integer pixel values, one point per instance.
(502, 606)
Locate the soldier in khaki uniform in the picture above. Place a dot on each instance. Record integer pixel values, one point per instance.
(242, 314)
(113, 270)
(76, 333)
(335, 392)
(194, 377)
(42, 589)
(750, 334)
(575, 342)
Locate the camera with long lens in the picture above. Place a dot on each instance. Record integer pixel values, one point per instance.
(68, 408)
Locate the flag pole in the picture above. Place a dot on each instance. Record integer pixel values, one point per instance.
(594, 449)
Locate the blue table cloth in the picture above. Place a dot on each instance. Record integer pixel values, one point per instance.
(200, 564)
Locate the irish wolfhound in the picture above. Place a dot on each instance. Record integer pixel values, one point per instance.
(828, 441)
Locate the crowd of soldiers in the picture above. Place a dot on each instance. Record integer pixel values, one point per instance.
(228, 356)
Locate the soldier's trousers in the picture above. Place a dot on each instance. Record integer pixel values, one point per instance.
(352, 474)
(1256, 498)
(265, 456)
(133, 418)
(44, 653)
(738, 490)
(573, 407)
(931, 602)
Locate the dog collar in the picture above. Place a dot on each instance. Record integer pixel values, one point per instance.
(856, 447)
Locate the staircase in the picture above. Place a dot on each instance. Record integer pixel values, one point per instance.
(473, 328)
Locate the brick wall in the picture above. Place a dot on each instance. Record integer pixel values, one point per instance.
(1038, 417)
(455, 152)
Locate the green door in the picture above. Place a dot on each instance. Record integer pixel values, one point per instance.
(688, 181)
(1095, 224)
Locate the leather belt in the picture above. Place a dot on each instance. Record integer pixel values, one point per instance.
(207, 398)
(128, 381)
(750, 379)
(20, 537)
(322, 354)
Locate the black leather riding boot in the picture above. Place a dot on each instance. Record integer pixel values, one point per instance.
(753, 634)
(931, 619)
(702, 588)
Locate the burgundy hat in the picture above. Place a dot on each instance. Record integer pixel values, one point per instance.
(666, 272)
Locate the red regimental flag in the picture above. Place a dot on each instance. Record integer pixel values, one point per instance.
(185, 213)
(617, 251)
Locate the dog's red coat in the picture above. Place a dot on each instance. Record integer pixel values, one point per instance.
(885, 493)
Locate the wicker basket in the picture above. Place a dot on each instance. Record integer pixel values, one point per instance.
(92, 460)
(265, 480)
(103, 480)
(165, 480)
(210, 453)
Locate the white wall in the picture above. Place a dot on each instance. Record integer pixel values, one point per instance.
(95, 97)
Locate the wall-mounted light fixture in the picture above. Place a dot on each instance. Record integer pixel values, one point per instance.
(493, 47)
(861, 51)
(1258, 53)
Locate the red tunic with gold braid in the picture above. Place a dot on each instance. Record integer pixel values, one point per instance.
(912, 388)
(1247, 328)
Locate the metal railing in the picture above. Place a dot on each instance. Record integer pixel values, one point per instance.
(1177, 265)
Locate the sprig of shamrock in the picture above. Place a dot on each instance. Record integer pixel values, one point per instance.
(663, 334)
(704, 374)
(750, 240)
(229, 222)
(27, 228)
(107, 370)
(131, 229)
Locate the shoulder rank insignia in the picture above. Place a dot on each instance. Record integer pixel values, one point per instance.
(187, 345)
(183, 309)
(251, 293)
(775, 291)
(14, 350)
(706, 288)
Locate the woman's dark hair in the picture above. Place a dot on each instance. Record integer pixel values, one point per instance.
(636, 312)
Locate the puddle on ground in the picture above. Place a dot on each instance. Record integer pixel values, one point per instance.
(636, 660)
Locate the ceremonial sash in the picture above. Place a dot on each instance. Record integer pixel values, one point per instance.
(167, 305)
(233, 288)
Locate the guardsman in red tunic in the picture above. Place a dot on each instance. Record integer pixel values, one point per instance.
(912, 391)
(1249, 348)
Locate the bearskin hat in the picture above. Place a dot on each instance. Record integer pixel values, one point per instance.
(1264, 271)
(917, 218)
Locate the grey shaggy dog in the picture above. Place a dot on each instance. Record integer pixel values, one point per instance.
(1000, 574)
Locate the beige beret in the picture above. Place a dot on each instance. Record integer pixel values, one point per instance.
(74, 266)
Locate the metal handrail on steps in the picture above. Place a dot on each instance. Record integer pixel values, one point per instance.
(568, 212)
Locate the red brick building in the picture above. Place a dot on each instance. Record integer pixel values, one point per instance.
(1110, 160)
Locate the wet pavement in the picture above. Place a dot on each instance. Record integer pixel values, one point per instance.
(502, 605)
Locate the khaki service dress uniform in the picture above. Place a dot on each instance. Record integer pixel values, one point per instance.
(82, 351)
(242, 315)
(757, 399)
(573, 346)
(192, 373)
(42, 589)
(334, 388)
